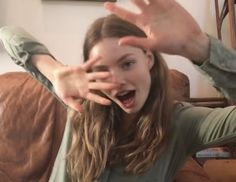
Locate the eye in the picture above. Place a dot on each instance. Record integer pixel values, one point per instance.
(128, 64)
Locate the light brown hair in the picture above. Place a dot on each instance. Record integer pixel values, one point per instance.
(96, 141)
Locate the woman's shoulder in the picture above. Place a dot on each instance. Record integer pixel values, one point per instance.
(185, 115)
(180, 106)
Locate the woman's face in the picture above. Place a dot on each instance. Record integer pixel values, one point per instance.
(129, 68)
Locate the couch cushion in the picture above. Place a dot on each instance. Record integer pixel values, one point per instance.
(31, 127)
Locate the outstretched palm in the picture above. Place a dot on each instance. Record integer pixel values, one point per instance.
(168, 26)
(72, 83)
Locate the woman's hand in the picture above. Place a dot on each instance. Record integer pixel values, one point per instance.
(72, 83)
(169, 28)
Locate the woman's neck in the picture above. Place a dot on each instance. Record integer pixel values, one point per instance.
(128, 124)
(128, 118)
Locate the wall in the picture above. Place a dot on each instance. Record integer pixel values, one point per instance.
(61, 26)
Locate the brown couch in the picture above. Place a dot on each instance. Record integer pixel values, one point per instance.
(31, 128)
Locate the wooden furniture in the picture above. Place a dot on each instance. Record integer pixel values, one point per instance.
(227, 9)
(212, 102)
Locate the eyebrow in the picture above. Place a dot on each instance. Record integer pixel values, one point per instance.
(123, 57)
(106, 68)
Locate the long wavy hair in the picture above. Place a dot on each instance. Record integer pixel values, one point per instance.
(97, 142)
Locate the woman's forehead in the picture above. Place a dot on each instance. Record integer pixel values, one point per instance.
(109, 50)
(104, 46)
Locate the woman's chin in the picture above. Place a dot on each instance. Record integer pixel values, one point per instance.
(132, 110)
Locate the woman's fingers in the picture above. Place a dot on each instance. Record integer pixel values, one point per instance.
(98, 99)
(89, 63)
(98, 75)
(67, 70)
(141, 4)
(121, 12)
(102, 85)
(75, 103)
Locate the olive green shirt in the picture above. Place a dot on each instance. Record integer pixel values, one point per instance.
(193, 128)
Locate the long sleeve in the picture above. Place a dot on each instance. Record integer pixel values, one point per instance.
(21, 46)
(202, 127)
(220, 69)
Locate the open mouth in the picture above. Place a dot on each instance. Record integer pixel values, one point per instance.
(126, 98)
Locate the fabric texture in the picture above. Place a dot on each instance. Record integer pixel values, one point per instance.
(32, 124)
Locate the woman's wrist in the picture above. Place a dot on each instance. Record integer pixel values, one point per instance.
(197, 50)
(47, 65)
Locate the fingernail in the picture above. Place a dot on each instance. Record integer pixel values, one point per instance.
(120, 43)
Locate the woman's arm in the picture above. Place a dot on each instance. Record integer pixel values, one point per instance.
(220, 68)
(200, 127)
(26, 51)
(68, 83)
(171, 29)
(47, 65)
(22, 48)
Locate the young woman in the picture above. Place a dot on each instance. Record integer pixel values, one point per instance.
(128, 128)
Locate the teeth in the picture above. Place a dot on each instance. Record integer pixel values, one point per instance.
(122, 93)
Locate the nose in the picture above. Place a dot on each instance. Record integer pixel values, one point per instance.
(117, 77)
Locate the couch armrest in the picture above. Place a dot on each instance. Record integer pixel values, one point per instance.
(209, 101)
